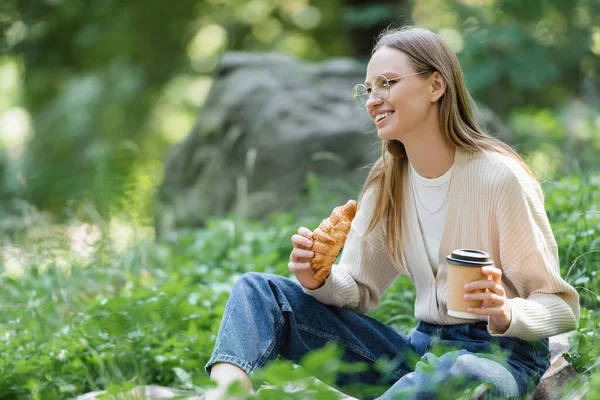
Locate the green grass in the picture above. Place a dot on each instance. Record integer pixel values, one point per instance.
(102, 317)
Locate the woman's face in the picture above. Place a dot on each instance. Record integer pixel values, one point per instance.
(409, 98)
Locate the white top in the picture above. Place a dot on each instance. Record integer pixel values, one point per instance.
(432, 206)
(494, 206)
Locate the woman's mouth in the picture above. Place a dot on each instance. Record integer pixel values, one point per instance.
(382, 119)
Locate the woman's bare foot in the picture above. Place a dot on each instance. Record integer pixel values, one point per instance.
(225, 374)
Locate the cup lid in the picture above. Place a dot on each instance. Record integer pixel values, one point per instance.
(469, 258)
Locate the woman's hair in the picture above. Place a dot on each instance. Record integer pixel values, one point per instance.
(428, 53)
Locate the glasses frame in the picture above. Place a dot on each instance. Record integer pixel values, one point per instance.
(355, 96)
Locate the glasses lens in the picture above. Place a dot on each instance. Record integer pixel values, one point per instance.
(381, 87)
(360, 95)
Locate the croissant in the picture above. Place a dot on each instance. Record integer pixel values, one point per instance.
(328, 239)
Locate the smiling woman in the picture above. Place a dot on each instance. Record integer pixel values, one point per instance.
(441, 184)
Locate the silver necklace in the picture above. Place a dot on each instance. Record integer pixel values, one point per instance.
(416, 192)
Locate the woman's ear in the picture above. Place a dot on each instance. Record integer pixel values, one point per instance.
(438, 86)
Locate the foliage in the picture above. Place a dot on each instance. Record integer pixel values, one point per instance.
(533, 53)
(113, 318)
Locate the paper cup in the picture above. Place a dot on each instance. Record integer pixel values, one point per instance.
(464, 266)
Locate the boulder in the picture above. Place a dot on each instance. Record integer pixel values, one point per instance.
(268, 121)
(560, 374)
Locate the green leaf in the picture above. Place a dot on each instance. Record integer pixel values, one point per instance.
(182, 374)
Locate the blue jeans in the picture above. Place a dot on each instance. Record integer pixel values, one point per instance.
(269, 315)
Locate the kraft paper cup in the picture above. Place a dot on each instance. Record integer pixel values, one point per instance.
(464, 266)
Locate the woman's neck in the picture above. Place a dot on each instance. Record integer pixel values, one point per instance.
(430, 153)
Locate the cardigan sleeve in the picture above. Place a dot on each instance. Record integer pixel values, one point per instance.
(546, 305)
(364, 271)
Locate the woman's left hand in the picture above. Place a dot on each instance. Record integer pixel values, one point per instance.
(495, 304)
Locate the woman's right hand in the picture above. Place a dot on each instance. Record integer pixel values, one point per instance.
(299, 263)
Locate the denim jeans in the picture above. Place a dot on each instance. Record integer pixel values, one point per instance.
(268, 315)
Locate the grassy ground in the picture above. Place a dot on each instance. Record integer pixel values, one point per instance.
(82, 312)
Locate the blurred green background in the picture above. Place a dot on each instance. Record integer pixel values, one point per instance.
(92, 95)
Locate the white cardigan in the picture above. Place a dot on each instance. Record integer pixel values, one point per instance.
(494, 206)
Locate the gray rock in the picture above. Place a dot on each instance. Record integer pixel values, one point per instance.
(560, 376)
(561, 381)
(268, 121)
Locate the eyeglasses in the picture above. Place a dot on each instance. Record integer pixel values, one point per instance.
(380, 85)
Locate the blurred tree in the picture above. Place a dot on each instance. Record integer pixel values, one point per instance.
(366, 19)
(92, 73)
(514, 53)
(95, 75)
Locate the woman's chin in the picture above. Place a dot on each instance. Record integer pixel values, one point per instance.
(386, 133)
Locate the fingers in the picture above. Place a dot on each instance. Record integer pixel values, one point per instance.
(307, 233)
(490, 285)
(494, 311)
(301, 256)
(298, 267)
(302, 246)
(495, 273)
(301, 242)
(490, 298)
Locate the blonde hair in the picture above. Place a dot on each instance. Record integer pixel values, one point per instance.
(428, 53)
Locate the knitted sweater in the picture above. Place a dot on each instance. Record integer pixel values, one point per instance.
(494, 206)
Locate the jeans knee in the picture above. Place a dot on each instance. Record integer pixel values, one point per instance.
(464, 363)
(249, 280)
(252, 276)
(260, 282)
(263, 286)
(485, 370)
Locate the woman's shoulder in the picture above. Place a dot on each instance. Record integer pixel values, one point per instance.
(505, 176)
(502, 171)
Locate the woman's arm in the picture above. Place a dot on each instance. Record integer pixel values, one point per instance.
(364, 270)
(546, 304)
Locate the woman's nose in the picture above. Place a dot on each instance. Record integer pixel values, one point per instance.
(372, 101)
